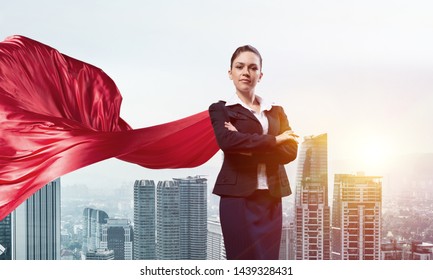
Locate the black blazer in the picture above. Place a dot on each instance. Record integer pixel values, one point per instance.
(246, 148)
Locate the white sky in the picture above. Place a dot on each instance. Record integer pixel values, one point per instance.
(360, 71)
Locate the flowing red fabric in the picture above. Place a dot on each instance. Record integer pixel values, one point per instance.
(58, 114)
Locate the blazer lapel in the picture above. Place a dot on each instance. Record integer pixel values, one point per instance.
(274, 122)
(239, 112)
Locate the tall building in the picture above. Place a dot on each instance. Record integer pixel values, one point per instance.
(215, 241)
(32, 230)
(192, 217)
(312, 212)
(287, 246)
(356, 217)
(144, 220)
(6, 238)
(117, 235)
(181, 223)
(168, 221)
(93, 220)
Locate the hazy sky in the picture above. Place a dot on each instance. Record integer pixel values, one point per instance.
(361, 71)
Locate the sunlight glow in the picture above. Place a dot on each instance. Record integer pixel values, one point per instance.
(373, 153)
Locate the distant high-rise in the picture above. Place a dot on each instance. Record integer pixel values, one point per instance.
(287, 246)
(312, 215)
(32, 230)
(144, 220)
(117, 235)
(168, 221)
(93, 220)
(215, 241)
(6, 238)
(181, 223)
(192, 217)
(356, 217)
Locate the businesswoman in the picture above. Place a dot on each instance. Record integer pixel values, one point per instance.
(257, 141)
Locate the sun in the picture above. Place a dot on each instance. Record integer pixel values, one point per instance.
(373, 153)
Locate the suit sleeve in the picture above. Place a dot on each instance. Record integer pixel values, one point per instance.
(234, 141)
(283, 153)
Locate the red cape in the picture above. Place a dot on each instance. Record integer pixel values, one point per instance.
(58, 114)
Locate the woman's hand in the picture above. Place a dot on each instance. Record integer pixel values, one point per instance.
(286, 136)
(229, 126)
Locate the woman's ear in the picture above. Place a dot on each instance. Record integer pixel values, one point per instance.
(260, 77)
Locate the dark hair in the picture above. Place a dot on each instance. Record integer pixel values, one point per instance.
(245, 48)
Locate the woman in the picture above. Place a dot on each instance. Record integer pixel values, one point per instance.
(257, 141)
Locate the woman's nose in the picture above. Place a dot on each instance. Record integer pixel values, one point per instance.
(245, 71)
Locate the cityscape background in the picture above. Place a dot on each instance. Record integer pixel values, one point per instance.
(358, 71)
(355, 219)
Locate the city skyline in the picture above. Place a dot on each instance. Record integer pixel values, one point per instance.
(421, 239)
(402, 216)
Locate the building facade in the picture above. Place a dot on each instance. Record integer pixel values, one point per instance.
(192, 217)
(356, 217)
(93, 221)
(167, 221)
(117, 235)
(287, 246)
(6, 238)
(393, 250)
(100, 254)
(421, 251)
(181, 219)
(32, 230)
(144, 220)
(215, 241)
(312, 211)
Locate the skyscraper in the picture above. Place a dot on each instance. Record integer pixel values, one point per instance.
(215, 241)
(93, 220)
(6, 238)
(192, 217)
(287, 250)
(356, 217)
(311, 201)
(168, 221)
(181, 223)
(34, 226)
(144, 220)
(117, 235)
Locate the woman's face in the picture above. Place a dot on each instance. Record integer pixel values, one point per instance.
(246, 72)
